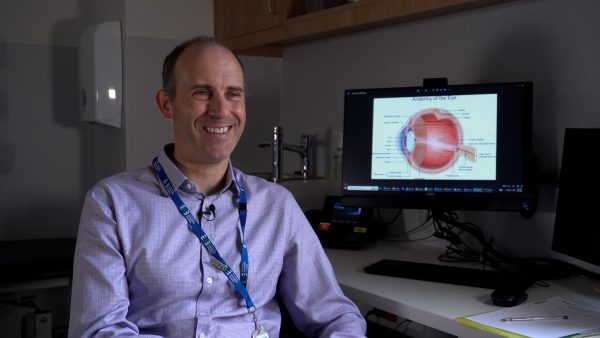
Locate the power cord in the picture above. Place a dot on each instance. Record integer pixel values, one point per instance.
(447, 226)
(404, 235)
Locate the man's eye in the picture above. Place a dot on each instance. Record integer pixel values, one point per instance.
(234, 95)
(202, 94)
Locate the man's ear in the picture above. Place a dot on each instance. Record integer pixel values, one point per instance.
(164, 104)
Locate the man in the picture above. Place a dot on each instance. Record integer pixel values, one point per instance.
(146, 266)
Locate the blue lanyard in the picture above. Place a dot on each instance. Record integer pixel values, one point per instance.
(240, 285)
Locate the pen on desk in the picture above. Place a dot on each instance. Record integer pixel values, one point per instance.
(526, 319)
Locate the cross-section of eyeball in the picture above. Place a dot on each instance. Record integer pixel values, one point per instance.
(432, 140)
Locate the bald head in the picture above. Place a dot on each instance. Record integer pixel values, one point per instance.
(168, 71)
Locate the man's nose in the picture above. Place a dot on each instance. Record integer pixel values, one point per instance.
(217, 105)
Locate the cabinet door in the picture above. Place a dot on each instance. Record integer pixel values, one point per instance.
(238, 17)
(264, 14)
(230, 18)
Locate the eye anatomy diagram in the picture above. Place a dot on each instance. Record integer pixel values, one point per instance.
(435, 137)
(432, 141)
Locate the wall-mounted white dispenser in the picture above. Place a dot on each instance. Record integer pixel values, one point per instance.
(101, 74)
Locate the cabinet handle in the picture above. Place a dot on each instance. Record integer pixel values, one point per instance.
(270, 7)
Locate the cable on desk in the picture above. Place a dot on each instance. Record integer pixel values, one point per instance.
(447, 226)
(467, 243)
(384, 223)
(403, 236)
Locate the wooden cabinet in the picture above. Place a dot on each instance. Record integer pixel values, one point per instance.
(264, 14)
(239, 17)
(263, 27)
(253, 27)
(230, 18)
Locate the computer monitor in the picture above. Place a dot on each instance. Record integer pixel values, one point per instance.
(448, 147)
(576, 229)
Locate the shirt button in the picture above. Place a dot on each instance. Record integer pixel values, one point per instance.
(188, 186)
(209, 280)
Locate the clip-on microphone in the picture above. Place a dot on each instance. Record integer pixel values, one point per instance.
(208, 214)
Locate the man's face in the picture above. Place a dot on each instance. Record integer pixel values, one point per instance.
(208, 110)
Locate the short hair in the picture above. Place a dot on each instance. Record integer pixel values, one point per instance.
(168, 71)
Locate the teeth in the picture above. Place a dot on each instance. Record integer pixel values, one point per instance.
(221, 130)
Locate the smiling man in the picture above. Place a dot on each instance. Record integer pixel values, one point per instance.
(192, 247)
(204, 96)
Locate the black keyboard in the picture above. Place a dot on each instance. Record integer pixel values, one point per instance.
(448, 274)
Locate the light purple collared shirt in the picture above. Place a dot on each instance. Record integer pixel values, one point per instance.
(140, 271)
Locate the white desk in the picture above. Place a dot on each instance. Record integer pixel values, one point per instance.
(433, 304)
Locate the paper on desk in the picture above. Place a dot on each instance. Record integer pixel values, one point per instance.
(580, 320)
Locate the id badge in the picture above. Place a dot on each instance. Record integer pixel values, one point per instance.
(260, 332)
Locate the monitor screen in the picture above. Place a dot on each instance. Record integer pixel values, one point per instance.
(576, 229)
(459, 147)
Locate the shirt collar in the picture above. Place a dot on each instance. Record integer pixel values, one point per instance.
(180, 181)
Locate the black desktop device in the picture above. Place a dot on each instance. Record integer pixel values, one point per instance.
(449, 274)
(341, 226)
(441, 147)
(576, 228)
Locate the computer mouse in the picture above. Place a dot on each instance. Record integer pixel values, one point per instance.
(508, 296)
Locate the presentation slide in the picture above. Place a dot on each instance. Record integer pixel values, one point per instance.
(441, 137)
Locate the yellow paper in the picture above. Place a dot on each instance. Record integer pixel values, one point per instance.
(474, 325)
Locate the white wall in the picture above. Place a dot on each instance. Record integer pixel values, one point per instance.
(175, 20)
(48, 157)
(263, 92)
(553, 43)
(34, 22)
(152, 29)
(41, 139)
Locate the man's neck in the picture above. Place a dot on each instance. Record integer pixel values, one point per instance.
(209, 178)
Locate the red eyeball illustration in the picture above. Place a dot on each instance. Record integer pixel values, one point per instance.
(432, 141)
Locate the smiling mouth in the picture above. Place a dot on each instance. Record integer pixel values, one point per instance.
(215, 130)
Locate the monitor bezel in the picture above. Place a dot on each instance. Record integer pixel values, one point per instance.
(523, 201)
(575, 234)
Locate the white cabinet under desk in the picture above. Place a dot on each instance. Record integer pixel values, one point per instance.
(435, 305)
